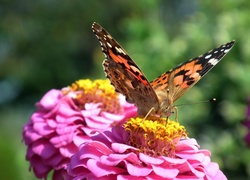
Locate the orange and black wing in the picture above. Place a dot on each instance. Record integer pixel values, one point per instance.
(180, 79)
(124, 74)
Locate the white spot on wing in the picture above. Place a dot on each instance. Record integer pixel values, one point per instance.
(120, 50)
(208, 56)
(135, 69)
(109, 36)
(109, 45)
(213, 61)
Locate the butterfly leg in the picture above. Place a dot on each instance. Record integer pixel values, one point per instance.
(176, 113)
(149, 112)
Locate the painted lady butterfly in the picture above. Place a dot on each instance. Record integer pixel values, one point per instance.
(161, 93)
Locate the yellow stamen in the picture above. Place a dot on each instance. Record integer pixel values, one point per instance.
(155, 136)
(103, 87)
(98, 91)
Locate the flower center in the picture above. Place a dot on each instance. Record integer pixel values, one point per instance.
(156, 136)
(98, 91)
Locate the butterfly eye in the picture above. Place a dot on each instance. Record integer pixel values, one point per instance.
(170, 111)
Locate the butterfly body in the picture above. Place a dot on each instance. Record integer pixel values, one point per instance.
(160, 94)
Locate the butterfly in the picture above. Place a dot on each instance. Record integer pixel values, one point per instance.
(161, 93)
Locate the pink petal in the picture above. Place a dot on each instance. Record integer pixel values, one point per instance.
(99, 169)
(114, 117)
(68, 150)
(136, 170)
(121, 148)
(219, 176)
(40, 170)
(50, 99)
(212, 169)
(150, 160)
(44, 149)
(129, 177)
(115, 159)
(165, 172)
(30, 136)
(42, 128)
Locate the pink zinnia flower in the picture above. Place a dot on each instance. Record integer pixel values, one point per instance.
(64, 119)
(143, 149)
(246, 122)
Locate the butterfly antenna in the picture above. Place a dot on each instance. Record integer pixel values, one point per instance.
(206, 101)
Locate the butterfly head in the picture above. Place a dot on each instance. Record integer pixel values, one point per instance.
(165, 106)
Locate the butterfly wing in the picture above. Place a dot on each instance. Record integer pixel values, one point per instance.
(177, 81)
(124, 74)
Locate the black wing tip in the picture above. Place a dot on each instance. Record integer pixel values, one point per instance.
(95, 24)
(230, 44)
(96, 27)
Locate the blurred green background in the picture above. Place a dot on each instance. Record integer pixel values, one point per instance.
(49, 44)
